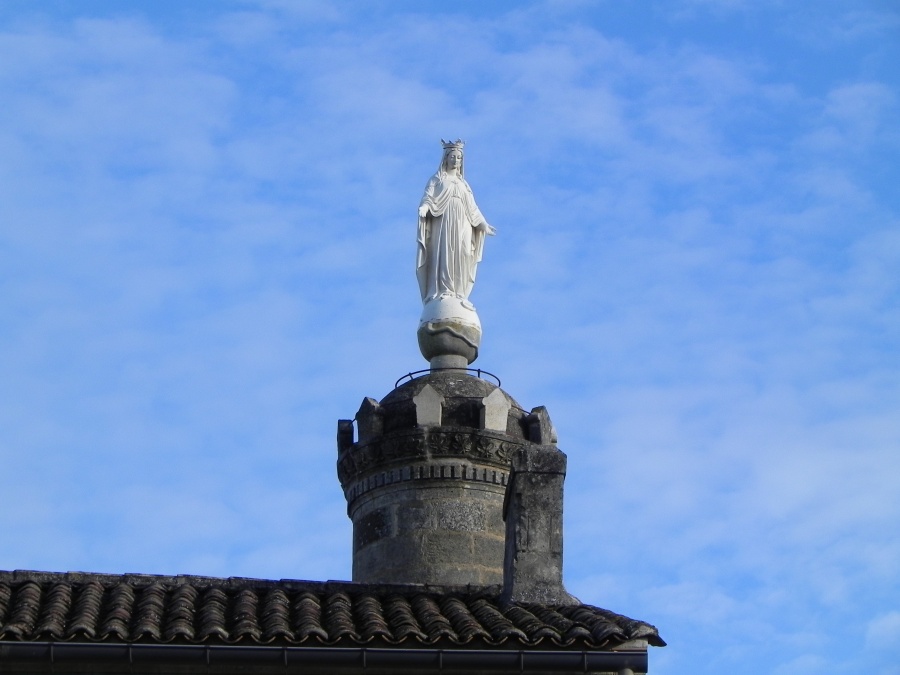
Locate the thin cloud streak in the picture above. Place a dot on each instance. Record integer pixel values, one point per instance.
(207, 247)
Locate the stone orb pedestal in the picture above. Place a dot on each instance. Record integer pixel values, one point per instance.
(449, 333)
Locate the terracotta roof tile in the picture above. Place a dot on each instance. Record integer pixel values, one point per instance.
(5, 596)
(86, 611)
(24, 612)
(243, 616)
(306, 618)
(116, 615)
(399, 614)
(370, 618)
(276, 616)
(149, 613)
(338, 617)
(180, 614)
(569, 631)
(211, 612)
(600, 622)
(499, 626)
(54, 611)
(531, 625)
(464, 623)
(80, 607)
(428, 613)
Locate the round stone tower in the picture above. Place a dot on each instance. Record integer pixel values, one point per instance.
(426, 476)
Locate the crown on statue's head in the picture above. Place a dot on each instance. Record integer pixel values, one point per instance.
(450, 145)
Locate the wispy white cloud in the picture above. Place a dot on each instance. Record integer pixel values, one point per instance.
(207, 255)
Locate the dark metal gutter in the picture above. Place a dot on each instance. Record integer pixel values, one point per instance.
(353, 658)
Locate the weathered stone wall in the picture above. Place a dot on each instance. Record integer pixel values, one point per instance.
(430, 531)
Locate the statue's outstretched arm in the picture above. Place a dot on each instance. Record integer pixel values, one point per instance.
(427, 202)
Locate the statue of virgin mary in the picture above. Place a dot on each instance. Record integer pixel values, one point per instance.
(451, 232)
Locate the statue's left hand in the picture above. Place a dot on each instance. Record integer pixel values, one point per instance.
(488, 230)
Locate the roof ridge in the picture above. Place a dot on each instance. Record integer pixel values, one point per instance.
(237, 582)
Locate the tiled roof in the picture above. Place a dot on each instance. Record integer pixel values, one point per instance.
(98, 608)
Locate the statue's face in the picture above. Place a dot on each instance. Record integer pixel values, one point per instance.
(454, 159)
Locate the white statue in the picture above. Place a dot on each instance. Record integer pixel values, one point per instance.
(451, 232)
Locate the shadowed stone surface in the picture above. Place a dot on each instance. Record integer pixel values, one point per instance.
(534, 517)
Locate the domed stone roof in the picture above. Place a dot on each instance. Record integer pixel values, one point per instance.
(450, 382)
(463, 396)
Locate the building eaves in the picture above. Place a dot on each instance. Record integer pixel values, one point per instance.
(96, 609)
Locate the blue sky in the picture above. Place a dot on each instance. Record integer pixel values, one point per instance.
(207, 216)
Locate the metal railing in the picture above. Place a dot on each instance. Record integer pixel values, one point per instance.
(479, 373)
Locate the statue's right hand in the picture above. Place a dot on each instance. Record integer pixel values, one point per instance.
(423, 211)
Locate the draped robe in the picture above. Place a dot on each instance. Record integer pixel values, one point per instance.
(449, 245)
